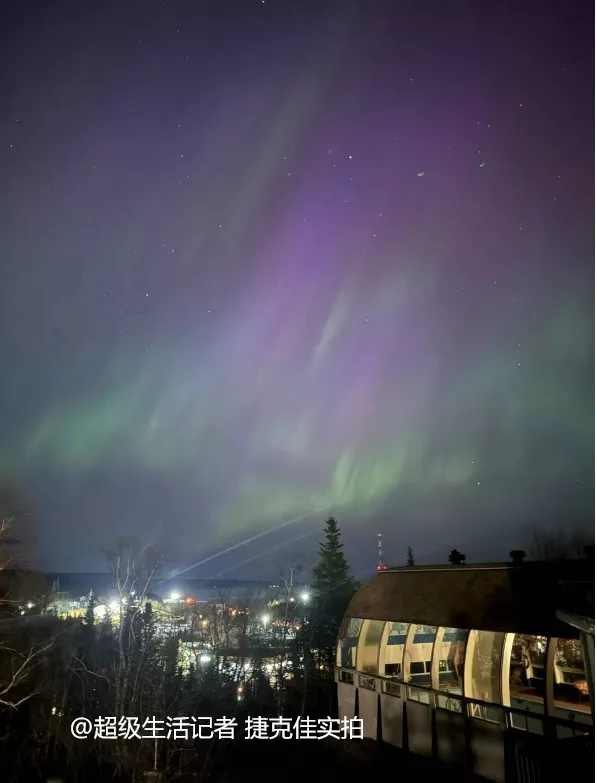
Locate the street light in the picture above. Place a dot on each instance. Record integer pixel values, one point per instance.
(305, 599)
(265, 619)
(175, 596)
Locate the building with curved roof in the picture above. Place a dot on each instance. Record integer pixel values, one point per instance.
(487, 667)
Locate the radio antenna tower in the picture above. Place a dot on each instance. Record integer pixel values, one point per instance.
(381, 566)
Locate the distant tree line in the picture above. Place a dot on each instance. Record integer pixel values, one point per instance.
(131, 665)
(237, 658)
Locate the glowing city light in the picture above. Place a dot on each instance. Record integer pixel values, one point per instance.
(305, 596)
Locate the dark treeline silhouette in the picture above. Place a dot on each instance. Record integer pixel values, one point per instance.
(143, 658)
(456, 557)
(146, 659)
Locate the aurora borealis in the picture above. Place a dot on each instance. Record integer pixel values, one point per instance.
(267, 261)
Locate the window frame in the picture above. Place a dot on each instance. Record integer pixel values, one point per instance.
(368, 625)
(383, 645)
(343, 635)
(437, 651)
(408, 645)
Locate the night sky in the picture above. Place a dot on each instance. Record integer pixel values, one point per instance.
(266, 261)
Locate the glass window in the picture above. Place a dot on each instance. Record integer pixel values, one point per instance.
(391, 687)
(486, 712)
(367, 682)
(527, 668)
(527, 681)
(415, 694)
(450, 655)
(392, 650)
(417, 657)
(485, 655)
(347, 646)
(368, 650)
(570, 689)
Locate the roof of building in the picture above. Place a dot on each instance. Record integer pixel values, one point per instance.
(584, 624)
(489, 596)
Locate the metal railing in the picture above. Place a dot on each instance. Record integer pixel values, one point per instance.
(438, 699)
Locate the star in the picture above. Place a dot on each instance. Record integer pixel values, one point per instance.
(300, 383)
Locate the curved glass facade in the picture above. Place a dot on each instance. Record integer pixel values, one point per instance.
(571, 699)
(391, 655)
(488, 671)
(369, 647)
(451, 649)
(346, 656)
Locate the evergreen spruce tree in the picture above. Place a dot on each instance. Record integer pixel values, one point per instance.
(90, 613)
(410, 557)
(88, 632)
(331, 574)
(333, 587)
(148, 624)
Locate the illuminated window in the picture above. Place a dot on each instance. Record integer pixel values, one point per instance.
(484, 657)
(417, 657)
(347, 646)
(417, 694)
(527, 681)
(392, 650)
(571, 689)
(368, 649)
(527, 668)
(451, 652)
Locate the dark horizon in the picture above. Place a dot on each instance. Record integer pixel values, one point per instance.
(266, 262)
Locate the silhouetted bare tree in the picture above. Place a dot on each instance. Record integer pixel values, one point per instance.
(18, 655)
(559, 544)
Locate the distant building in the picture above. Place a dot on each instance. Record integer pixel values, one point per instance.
(485, 667)
(64, 606)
